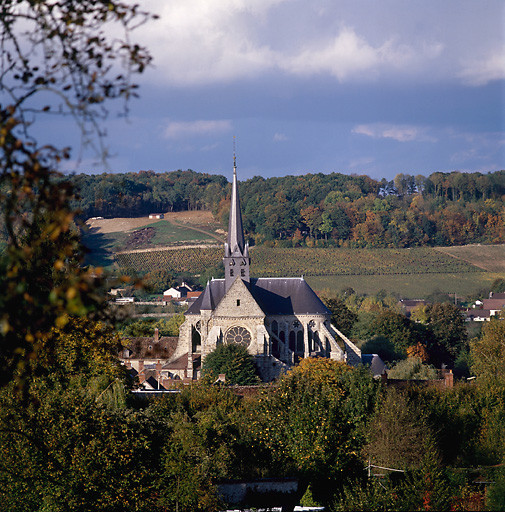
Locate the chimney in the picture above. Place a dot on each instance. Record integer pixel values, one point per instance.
(142, 376)
(449, 379)
(156, 335)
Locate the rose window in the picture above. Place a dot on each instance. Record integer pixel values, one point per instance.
(238, 335)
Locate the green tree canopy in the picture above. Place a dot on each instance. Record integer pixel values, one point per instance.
(232, 360)
(312, 424)
(341, 316)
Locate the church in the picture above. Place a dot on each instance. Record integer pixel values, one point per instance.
(278, 320)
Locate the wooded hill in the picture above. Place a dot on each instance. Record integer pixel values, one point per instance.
(318, 209)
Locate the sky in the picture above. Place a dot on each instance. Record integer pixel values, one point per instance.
(350, 86)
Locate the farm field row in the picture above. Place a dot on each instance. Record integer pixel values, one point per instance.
(322, 262)
(277, 262)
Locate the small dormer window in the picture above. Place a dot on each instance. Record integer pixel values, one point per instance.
(238, 302)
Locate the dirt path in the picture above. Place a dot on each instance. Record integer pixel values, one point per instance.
(168, 248)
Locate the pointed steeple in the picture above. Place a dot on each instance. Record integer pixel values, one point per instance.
(235, 240)
(236, 251)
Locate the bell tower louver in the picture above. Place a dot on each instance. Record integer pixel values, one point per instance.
(236, 251)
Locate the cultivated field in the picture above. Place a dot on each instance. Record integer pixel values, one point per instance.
(487, 257)
(408, 286)
(412, 273)
(190, 242)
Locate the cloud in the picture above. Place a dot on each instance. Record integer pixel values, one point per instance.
(180, 129)
(197, 42)
(481, 71)
(348, 54)
(280, 137)
(400, 133)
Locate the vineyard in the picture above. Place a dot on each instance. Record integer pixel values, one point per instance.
(190, 260)
(277, 262)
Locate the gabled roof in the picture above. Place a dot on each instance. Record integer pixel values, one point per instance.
(275, 296)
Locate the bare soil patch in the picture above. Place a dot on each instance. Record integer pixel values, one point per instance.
(197, 218)
(139, 238)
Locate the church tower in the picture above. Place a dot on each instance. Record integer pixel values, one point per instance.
(236, 252)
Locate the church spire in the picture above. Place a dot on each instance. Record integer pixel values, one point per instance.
(236, 251)
(236, 243)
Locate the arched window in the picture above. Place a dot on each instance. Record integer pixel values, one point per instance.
(299, 342)
(275, 327)
(275, 349)
(196, 340)
(292, 341)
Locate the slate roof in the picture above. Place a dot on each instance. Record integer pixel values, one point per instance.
(275, 296)
(235, 242)
(181, 363)
(376, 364)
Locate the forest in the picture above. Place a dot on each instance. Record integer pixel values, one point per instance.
(334, 209)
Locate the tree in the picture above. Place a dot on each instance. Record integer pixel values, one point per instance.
(203, 443)
(448, 326)
(71, 448)
(382, 346)
(412, 369)
(312, 424)
(396, 432)
(232, 360)
(341, 316)
(397, 328)
(488, 354)
(61, 48)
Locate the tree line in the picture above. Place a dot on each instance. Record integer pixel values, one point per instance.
(318, 209)
(76, 437)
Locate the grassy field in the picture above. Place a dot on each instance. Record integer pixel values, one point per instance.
(168, 233)
(408, 286)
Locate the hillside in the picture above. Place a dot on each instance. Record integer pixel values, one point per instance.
(191, 243)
